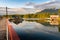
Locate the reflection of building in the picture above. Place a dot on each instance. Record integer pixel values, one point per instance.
(54, 19)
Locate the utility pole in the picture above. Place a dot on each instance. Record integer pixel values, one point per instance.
(6, 24)
(6, 13)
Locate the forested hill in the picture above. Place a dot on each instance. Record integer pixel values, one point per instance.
(51, 11)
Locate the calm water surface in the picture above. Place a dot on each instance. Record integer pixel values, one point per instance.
(36, 31)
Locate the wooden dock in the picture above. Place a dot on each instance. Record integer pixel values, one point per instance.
(3, 29)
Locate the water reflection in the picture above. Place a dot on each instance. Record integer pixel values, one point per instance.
(34, 25)
(36, 31)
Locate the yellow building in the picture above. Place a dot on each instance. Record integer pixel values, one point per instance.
(54, 19)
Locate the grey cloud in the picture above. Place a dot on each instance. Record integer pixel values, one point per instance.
(48, 4)
(52, 4)
(12, 11)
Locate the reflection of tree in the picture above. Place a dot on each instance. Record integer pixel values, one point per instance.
(59, 28)
(59, 12)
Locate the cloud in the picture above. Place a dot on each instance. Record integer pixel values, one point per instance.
(12, 11)
(54, 0)
(48, 4)
(40, 6)
(30, 4)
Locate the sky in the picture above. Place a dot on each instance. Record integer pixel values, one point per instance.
(20, 3)
(28, 6)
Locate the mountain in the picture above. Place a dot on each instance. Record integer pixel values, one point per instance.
(51, 11)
